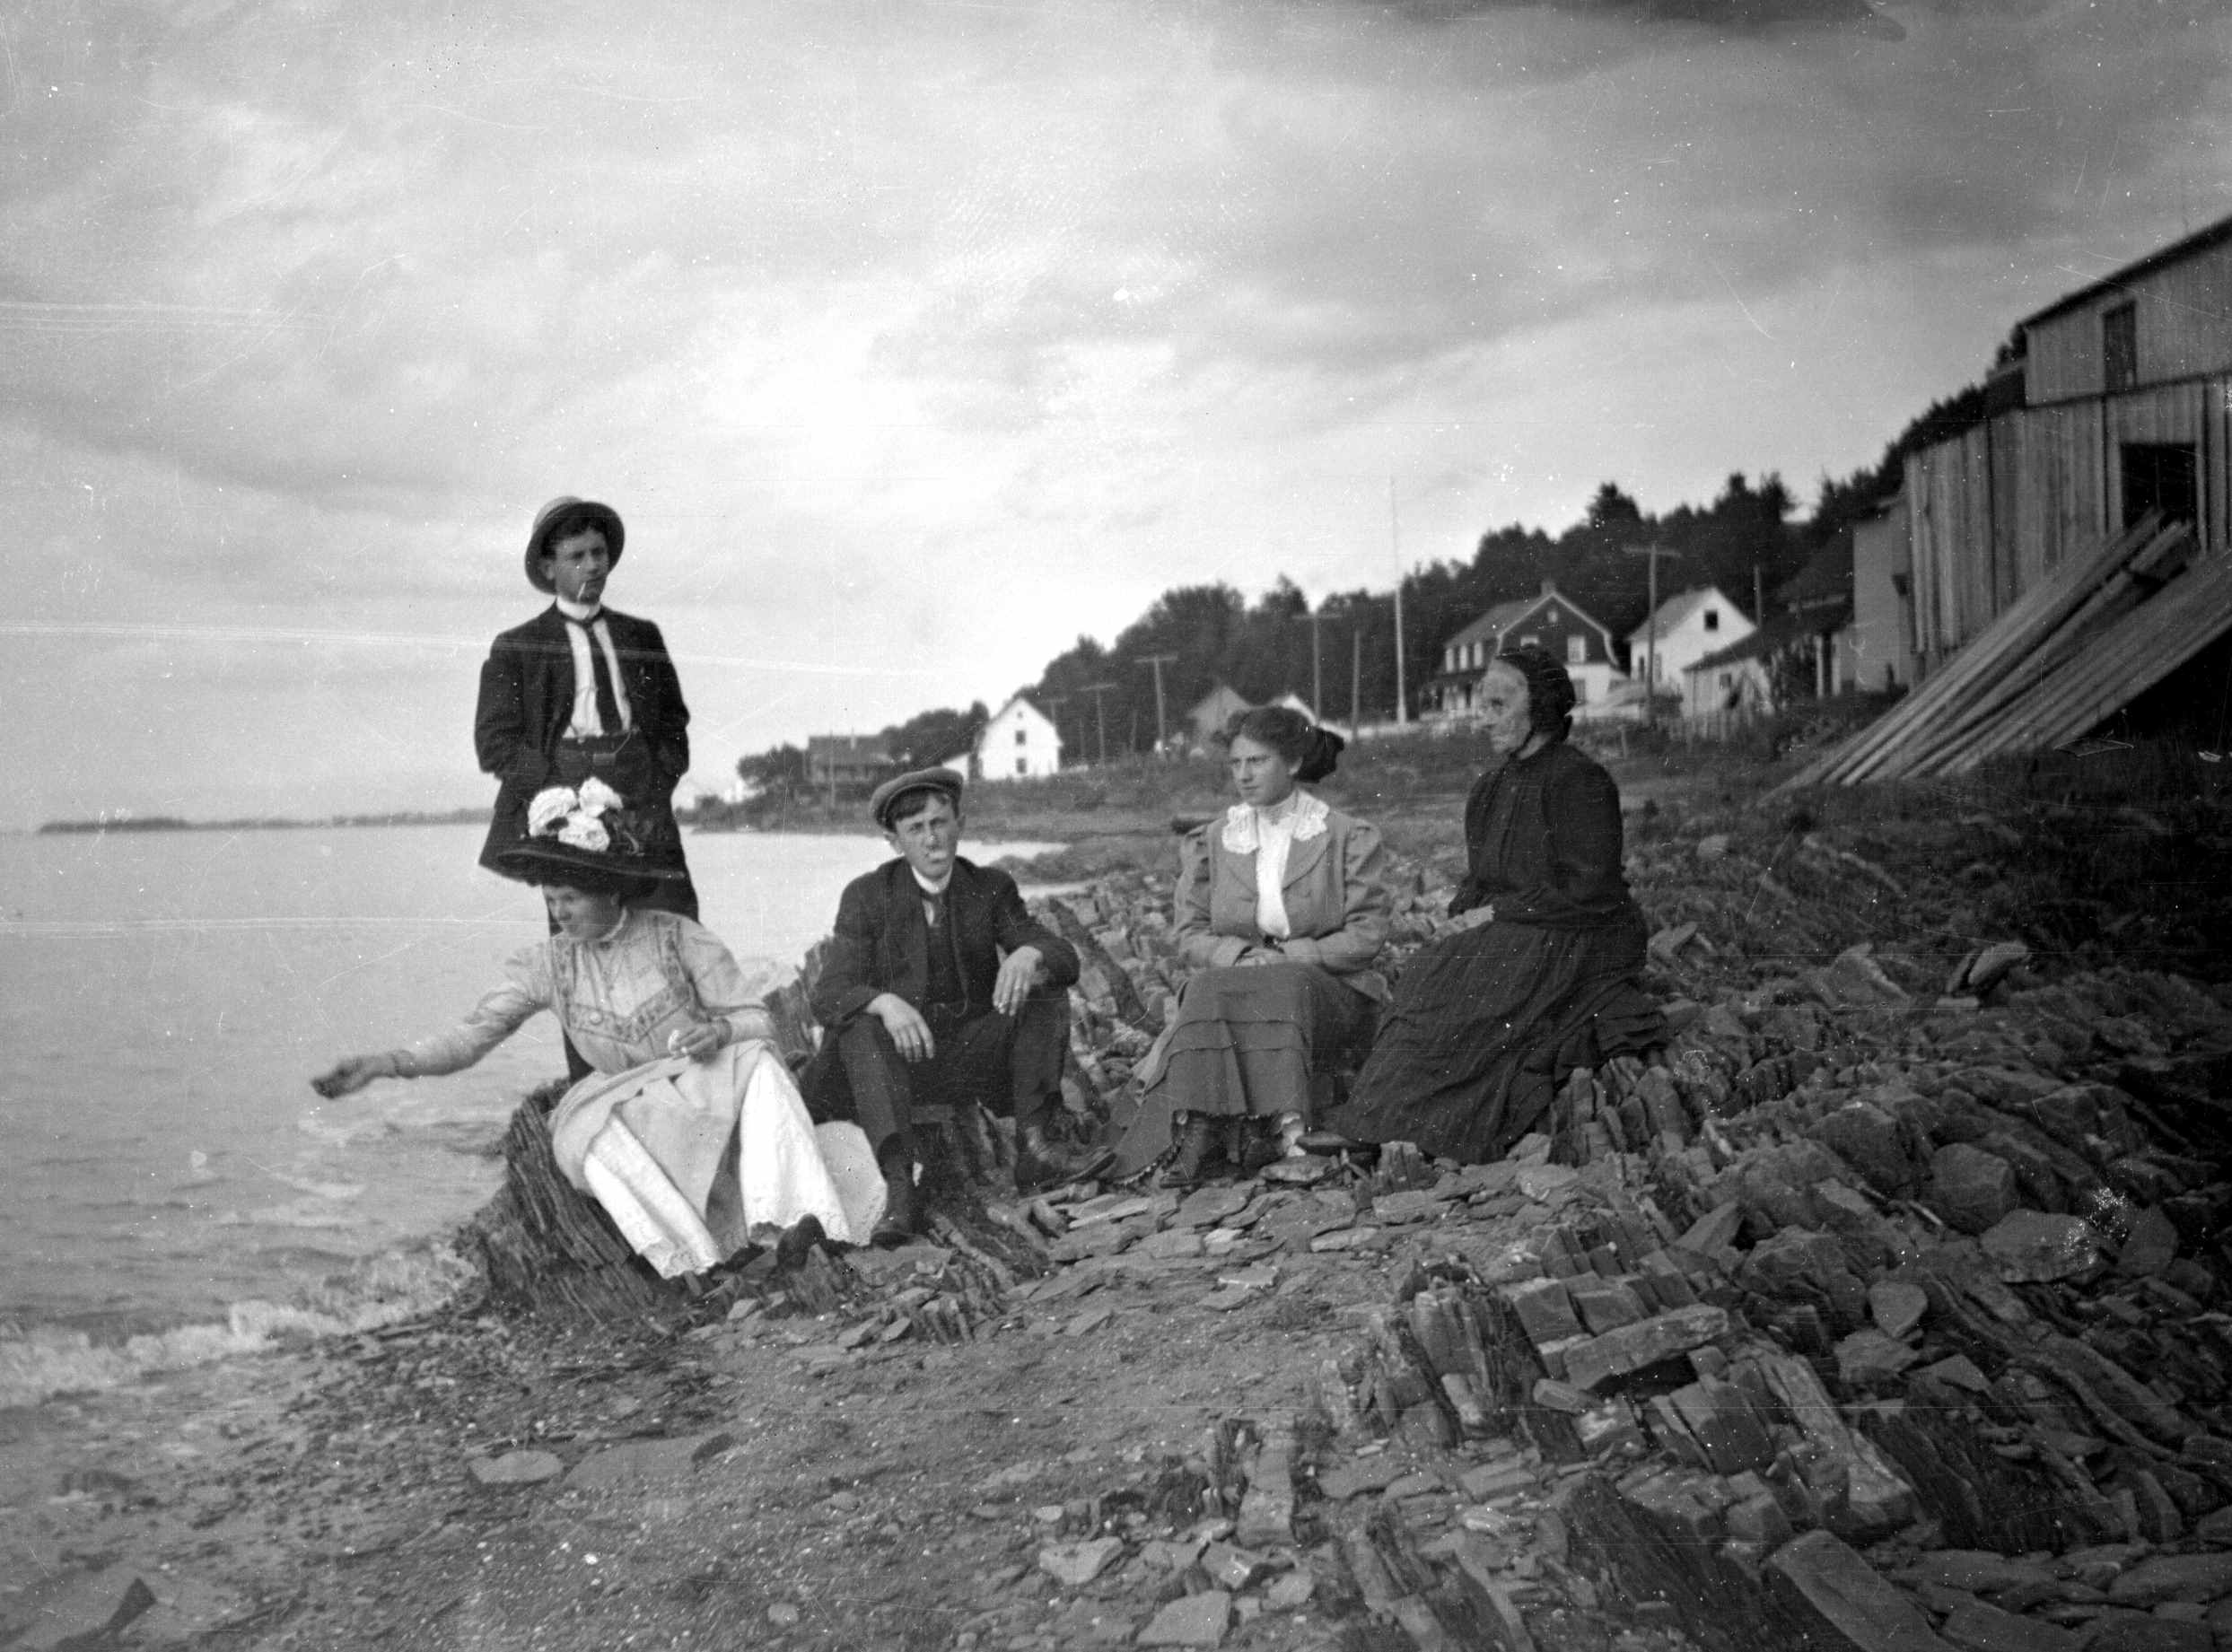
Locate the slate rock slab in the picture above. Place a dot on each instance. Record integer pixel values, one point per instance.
(1855, 1608)
(2028, 1246)
(517, 1468)
(1075, 1565)
(1194, 1620)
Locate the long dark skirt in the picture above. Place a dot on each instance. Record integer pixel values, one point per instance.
(1245, 1042)
(1484, 1027)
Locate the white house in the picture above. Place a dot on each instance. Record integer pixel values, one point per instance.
(1020, 741)
(1690, 624)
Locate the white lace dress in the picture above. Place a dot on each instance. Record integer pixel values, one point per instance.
(690, 1158)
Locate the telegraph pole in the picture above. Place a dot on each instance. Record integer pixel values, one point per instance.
(1394, 539)
(1356, 672)
(1100, 716)
(1650, 679)
(1317, 670)
(1158, 662)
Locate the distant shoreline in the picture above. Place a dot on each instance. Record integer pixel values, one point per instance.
(261, 822)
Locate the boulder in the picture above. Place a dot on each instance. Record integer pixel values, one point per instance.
(1869, 1139)
(1844, 1599)
(2030, 1247)
(1969, 1188)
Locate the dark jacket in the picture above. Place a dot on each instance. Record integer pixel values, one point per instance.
(1543, 843)
(883, 940)
(527, 699)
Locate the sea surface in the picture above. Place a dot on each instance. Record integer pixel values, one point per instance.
(174, 1189)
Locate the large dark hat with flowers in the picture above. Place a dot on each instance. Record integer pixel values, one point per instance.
(562, 519)
(586, 837)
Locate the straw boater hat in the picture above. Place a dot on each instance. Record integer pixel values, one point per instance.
(946, 783)
(566, 515)
(587, 838)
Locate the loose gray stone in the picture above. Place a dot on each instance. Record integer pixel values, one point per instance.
(1979, 1627)
(1365, 1475)
(1077, 1564)
(2034, 1245)
(1970, 1188)
(1194, 1620)
(1853, 1605)
(1895, 1307)
(517, 1468)
(2199, 1578)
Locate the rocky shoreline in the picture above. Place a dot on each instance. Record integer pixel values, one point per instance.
(1888, 1311)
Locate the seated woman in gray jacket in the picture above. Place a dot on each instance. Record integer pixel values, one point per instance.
(1282, 903)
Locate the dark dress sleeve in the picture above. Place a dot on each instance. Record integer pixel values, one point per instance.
(1471, 890)
(1585, 883)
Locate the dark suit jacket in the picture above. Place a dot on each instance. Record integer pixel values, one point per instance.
(527, 698)
(883, 940)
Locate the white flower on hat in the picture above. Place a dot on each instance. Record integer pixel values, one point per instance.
(550, 806)
(597, 798)
(585, 832)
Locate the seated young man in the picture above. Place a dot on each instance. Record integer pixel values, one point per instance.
(939, 987)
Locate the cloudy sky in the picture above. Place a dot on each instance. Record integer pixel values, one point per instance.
(914, 338)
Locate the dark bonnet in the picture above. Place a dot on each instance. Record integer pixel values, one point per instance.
(1549, 696)
(1311, 752)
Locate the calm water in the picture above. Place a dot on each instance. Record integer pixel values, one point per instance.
(168, 996)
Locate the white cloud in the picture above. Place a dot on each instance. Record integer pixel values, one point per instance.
(911, 343)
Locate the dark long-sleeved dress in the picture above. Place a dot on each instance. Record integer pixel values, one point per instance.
(1486, 1023)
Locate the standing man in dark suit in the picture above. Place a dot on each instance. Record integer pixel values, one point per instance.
(582, 691)
(938, 987)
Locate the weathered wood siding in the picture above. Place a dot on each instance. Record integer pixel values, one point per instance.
(1994, 510)
(2183, 313)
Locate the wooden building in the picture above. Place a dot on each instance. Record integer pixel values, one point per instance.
(1020, 742)
(1547, 620)
(1688, 626)
(844, 764)
(1883, 607)
(2114, 405)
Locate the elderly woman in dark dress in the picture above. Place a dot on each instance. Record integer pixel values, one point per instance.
(1282, 904)
(1485, 1022)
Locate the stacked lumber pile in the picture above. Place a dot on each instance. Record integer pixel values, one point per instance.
(2078, 647)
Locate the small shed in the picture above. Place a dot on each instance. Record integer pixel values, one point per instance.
(1208, 715)
(1689, 625)
(1883, 600)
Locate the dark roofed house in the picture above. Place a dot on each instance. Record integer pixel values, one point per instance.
(846, 765)
(1547, 620)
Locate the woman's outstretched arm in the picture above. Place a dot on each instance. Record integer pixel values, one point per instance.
(526, 989)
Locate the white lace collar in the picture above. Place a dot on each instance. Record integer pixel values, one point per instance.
(1242, 835)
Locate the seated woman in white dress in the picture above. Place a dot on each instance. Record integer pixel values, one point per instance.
(690, 1131)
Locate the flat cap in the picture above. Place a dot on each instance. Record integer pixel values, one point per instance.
(946, 783)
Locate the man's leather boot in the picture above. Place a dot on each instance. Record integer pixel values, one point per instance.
(899, 1223)
(1041, 1162)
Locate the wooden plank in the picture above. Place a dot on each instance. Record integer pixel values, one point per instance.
(2127, 659)
(2124, 591)
(2015, 633)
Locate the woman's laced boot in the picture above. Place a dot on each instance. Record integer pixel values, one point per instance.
(1197, 1139)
